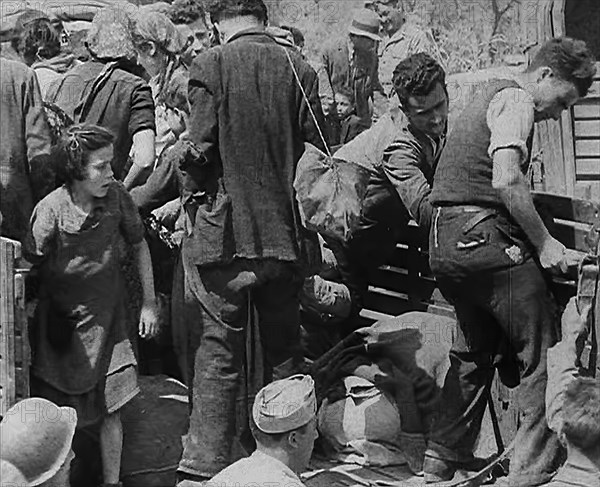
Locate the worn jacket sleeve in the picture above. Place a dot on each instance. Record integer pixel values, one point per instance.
(161, 186)
(310, 130)
(203, 98)
(401, 166)
(37, 138)
(561, 372)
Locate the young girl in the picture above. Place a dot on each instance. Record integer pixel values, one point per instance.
(82, 355)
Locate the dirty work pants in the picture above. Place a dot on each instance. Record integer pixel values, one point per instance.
(217, 349)
(509, 303)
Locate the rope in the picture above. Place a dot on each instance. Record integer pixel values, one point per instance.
(312, 113)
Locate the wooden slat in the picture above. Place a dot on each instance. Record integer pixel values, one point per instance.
(587, 128)
(566, 208)
(572, 235)
(7, 320)
(388, 302)
(586, 110)
(588, 169)
(587, 190)
(587, 148)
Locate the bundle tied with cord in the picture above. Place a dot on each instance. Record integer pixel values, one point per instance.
(329, 190)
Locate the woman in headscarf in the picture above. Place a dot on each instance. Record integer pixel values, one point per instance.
(159, 45)
(105, 91)
(39, 41)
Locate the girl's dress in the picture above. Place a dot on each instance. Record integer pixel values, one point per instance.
(82, 356)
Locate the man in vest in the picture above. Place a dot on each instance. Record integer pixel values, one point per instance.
(489, 250)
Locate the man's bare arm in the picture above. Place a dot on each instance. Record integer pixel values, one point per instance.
(514, 192)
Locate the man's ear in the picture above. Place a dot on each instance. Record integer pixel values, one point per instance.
(544, 72)
(149, 47)
(293, 439)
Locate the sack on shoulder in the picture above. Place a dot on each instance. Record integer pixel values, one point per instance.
(330, 193)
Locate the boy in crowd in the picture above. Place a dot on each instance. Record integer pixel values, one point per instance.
(350, 124)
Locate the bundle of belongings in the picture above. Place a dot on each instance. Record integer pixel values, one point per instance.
(379, 388)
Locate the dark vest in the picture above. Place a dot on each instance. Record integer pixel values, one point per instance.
(464, 173)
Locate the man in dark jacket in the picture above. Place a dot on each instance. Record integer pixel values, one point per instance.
(26, 172)
(489, 249)
(251, 120)
(351, 63)
(403, 147)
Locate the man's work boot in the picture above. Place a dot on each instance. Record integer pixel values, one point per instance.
(439, 469)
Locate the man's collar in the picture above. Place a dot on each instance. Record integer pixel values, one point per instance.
(249, 31)
(265, 459)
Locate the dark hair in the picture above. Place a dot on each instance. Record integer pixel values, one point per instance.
(175, 94)
(186, 11)
(347, 92)
(219, 9)
(268, 439)
(296, 34)
(37, 36)
(74, 146)
(581, 412)
(417, 75)
(569, 59)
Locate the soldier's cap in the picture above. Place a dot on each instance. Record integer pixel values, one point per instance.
(39, 434)
(366, 23)
(285, 405)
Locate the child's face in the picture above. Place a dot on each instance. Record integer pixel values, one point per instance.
(98, 173)
(343, 104)
(176, 121)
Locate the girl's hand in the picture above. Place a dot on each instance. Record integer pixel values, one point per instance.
(149, 326)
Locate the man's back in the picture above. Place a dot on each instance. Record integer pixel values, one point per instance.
(250, 118)
(25, 136)
(122, 103)
(259, 469)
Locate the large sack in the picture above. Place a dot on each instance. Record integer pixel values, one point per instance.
(153, 424)
(364, 427)
(330, 193)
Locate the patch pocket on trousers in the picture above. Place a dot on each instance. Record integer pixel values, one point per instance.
(473, 241)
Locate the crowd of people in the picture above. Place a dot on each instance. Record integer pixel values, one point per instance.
(162, 163)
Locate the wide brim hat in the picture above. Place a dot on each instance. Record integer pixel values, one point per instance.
(110, 34)
(366, 23)
(36, 437)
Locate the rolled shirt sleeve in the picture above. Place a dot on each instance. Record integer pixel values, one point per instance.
(510, 118)
(142, 109)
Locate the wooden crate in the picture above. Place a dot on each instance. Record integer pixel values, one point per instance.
(14, 338)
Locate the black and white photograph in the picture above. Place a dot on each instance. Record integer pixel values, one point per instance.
(299, 243)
